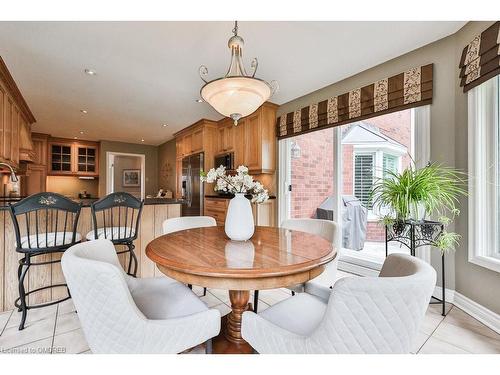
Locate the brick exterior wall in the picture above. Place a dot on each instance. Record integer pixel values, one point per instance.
(312, 173)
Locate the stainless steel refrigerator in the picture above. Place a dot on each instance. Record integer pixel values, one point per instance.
(192, 188)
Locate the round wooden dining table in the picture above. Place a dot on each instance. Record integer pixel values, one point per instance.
(272, 258)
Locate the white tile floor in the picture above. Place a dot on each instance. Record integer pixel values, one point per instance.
(56, 329)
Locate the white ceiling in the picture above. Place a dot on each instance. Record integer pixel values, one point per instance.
(147, 72)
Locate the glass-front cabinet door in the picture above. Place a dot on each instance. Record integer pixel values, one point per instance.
(86, 159)
(60, 158)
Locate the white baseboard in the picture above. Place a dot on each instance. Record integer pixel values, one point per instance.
(449, 294)
(477, 311)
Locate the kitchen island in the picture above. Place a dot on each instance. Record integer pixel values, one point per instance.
(155, 211)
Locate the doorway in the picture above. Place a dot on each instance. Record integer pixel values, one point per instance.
(125, 172)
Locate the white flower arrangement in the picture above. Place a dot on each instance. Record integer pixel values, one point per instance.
(241, 182)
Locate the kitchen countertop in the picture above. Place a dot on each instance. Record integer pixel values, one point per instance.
(86, 202)
(229, 196)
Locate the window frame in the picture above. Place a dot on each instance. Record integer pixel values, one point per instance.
(483, 222)
(378, 151)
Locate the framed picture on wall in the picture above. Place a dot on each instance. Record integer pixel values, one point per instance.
(131, 178)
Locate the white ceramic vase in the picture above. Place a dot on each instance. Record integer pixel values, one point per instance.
(239, 219)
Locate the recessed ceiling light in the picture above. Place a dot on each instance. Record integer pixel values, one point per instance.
(90, 72)
(142, 140)
(84, 111)
(164, 125)
(199, 100)
(75, 137)
(81, 131)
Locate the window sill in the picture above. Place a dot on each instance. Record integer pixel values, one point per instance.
(486, 262)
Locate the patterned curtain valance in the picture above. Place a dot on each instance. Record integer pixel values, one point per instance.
(480, 59)
(405, 90)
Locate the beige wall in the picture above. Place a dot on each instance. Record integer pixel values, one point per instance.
(166, 166)
(70, 186)
(448, 142)
(151, 153)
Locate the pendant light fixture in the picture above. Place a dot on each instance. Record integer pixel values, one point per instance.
(237, 94)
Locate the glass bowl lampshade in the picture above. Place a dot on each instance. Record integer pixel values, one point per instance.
(236, 97)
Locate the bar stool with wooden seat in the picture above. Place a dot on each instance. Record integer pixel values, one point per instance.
(116, 217)
(44, 224)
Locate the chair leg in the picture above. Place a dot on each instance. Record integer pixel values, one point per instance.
(208, 346)
(204, 292)
(255, 300)
(293, 293)
(19, 270)
(133, 258)
(22, 292)
(190, 286)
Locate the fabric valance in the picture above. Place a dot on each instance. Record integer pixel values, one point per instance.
(405, 90)
(480, 59)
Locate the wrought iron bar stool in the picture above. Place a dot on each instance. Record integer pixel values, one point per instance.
(44, 224)
(116, 217)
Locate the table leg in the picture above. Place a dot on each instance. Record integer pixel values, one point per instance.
(239, 304)
(229, 340)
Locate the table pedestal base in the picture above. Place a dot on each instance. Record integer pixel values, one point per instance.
(229, 339)
(221, 345)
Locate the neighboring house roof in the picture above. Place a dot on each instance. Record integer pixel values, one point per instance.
(362, 133)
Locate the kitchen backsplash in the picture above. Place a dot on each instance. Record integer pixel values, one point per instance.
(71, 186)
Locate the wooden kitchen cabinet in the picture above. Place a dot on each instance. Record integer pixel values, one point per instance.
(36, 179)
(73, 158)
(178, 180)
(197, 141)
(40, 142)
(14, 114)
(199, 137)
(258, 140)
(216, 208)
(264, 214)
(187, 143)
(253, 142)
(226, 137)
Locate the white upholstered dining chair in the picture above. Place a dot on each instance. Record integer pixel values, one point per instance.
(177, 224)
(123, 314)
(362, 314)
(328, 230)
(323, 228)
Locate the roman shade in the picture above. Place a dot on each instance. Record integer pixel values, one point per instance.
(405, 90)
(480, 59)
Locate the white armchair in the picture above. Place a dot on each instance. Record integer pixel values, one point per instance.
(329, 231)
(177, 224)
(187, 222)
(362, 315)
(122, 314)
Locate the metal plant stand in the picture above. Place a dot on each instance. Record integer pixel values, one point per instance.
(414, 234)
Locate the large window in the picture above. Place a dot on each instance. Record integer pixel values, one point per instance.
(484, 175)
(330, 173)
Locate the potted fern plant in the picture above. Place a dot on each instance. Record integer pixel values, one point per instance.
(418, 193)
